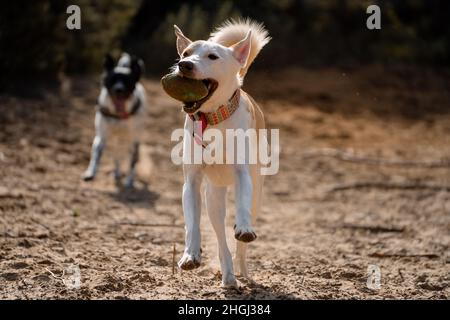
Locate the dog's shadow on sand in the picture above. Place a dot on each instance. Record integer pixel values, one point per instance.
(252, 290)
(139, 195)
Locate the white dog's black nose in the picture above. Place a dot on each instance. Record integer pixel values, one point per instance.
(186, 66)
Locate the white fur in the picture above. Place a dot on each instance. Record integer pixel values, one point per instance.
(236, 44)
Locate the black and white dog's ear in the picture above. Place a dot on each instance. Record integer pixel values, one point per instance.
(108, 64)
(137, 67)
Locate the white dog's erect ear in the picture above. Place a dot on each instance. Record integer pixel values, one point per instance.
(182, 40)
(241, 50)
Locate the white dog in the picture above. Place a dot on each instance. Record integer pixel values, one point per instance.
(119, 116)
(221, 62)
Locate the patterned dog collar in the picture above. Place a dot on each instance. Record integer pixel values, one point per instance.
(221, 114)
(225, 111)
(213, 118)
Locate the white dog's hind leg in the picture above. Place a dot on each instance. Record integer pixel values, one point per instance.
(216, 207)
(240, 262)
(244, 191)
(192, 211)
(117, 174)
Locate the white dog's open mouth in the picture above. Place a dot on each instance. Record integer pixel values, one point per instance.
(192, 107)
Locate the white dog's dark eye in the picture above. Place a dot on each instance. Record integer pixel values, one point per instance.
(185, 54)
(213, 56)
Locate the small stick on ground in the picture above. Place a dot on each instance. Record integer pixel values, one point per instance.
(402, 255)
(55, 276)
(401, 274)
(375, 229)
(174, 252)
(142, 224)
(352, 157)
(387, 186)
(50, 232)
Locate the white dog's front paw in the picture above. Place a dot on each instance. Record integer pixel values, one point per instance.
(244, 234)
(189, 261)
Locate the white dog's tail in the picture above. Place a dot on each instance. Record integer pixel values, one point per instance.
(232, 31)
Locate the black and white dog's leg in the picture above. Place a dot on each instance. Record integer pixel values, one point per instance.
(133, 161)
(96, 153)
(97, 147)
(117, 174)
(216, 207)
(192, 211)
(243, 230)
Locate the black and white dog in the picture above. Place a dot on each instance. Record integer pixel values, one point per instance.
(119, 116)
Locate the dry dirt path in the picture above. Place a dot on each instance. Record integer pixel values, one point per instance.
(324, 220)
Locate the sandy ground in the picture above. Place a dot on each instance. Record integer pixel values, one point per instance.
(326, 216)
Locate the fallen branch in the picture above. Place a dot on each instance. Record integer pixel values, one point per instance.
(42, 225)
(403, 255)
(142, 224)
(375, 229)
(387, 186)
(55, 276)
(8, 234)
(174, 252)
(352, 157)
(401, 274)
(12, 194)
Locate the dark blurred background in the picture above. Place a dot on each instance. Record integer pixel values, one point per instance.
(364, 120)
(35, 43)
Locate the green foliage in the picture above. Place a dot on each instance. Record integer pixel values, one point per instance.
(307, 32)
(36, 43)
(30, 42)
(34, 40)
(195, 21)
(103, 25)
